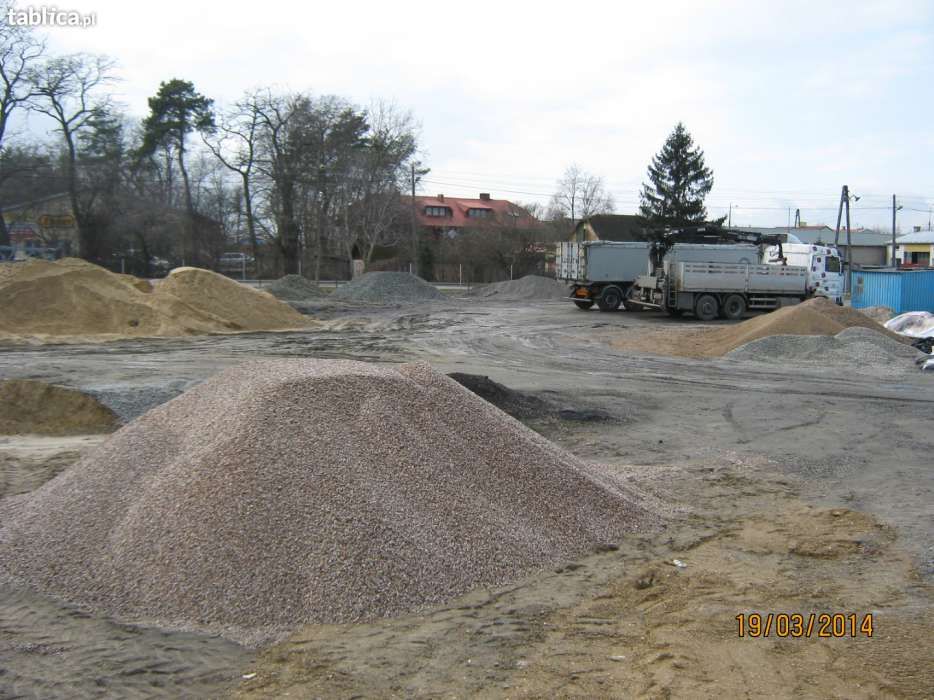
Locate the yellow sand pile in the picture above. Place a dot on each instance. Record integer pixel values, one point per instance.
(72, 300)
(245, 307)
(817, 316)
(28, 406)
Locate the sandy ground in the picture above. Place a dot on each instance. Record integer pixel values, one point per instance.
(801, 491)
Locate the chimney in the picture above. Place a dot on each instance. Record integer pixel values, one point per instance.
(485, 196)
(440, 197)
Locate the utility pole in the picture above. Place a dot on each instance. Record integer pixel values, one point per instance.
(414, 242)
(849, 244)
(894, 261)
(836, 235)
(729, 221)
(797, 218)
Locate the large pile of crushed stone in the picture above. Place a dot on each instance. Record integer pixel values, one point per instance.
(526, 288)
(817, 316)
(73, 300)
(387, 288)
(855, 347)
(28, 406)
(294, 288)
(298, 491)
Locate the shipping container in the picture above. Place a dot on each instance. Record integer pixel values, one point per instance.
(900, 290)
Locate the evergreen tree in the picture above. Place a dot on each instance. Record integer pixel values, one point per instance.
(176, 110)
(679, 183)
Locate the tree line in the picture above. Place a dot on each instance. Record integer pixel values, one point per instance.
(297, 180)
(294, 177)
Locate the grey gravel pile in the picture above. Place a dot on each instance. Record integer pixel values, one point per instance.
(387, 288)
(294, 288)
(309, 491)
(530, 287)
(856, 347)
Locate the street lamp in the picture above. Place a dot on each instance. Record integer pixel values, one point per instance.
(729, 222)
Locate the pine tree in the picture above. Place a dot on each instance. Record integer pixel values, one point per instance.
(679, 183)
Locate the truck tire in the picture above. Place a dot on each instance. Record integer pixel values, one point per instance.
(583, 305)
(734, 306)
(706, 307)
(610, 298)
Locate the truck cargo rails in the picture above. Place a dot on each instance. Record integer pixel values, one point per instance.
(602, 272)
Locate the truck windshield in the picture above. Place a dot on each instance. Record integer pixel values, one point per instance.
(832, 264)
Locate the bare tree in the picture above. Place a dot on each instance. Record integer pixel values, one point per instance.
(65, 89)
(20, 50)
(373, 190)
(580, 195)
(235, 143)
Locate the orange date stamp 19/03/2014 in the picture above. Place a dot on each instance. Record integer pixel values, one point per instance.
(804, 625)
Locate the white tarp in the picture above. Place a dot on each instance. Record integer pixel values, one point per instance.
(914, 324)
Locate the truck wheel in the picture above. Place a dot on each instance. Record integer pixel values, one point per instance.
(610, 299)
(583, 305)
(734, 306)
(706, 307)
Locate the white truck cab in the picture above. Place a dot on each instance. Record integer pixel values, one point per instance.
(825, 270)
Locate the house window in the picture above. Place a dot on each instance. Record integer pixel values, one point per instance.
(437, 211)
(479, 213)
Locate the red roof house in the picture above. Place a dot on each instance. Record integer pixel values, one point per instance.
(444, 214)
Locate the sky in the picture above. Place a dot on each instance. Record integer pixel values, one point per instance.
(788, 100)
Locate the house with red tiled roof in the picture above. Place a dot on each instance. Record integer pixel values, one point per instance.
(446, 216)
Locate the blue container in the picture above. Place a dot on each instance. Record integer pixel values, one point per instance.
(900, 290)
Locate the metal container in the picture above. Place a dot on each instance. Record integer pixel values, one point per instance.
(602, 261)
(900, 290)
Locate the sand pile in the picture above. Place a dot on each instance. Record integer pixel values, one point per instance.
(243, 307)
(28, 406)
(294, 491)
(859, 348)
(817, 316)
(387, 288)
(530, 287)
(74, 300)
(294, 288)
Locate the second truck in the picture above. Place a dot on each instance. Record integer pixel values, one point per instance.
(708, 271)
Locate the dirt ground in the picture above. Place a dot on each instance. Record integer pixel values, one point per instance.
(800, 490)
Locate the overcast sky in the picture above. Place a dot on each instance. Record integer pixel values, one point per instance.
(789, 100)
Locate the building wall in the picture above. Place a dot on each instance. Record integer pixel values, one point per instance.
(48, 223)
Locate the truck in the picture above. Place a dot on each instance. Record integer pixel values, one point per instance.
(708, 271)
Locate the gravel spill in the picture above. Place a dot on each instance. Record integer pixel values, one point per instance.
(294, 288)
(528, 288)
(387, 288)
(310, 491)
(130, 401)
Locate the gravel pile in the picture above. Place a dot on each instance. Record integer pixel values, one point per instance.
(879, 314)
(515, 403)
(294, 288)
(856, 347)
(387, 288)
(529, 288)
(309, 491)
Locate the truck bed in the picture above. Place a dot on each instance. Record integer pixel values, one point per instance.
(748, 279)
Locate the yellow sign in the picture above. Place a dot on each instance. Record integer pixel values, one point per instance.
(56, 220)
